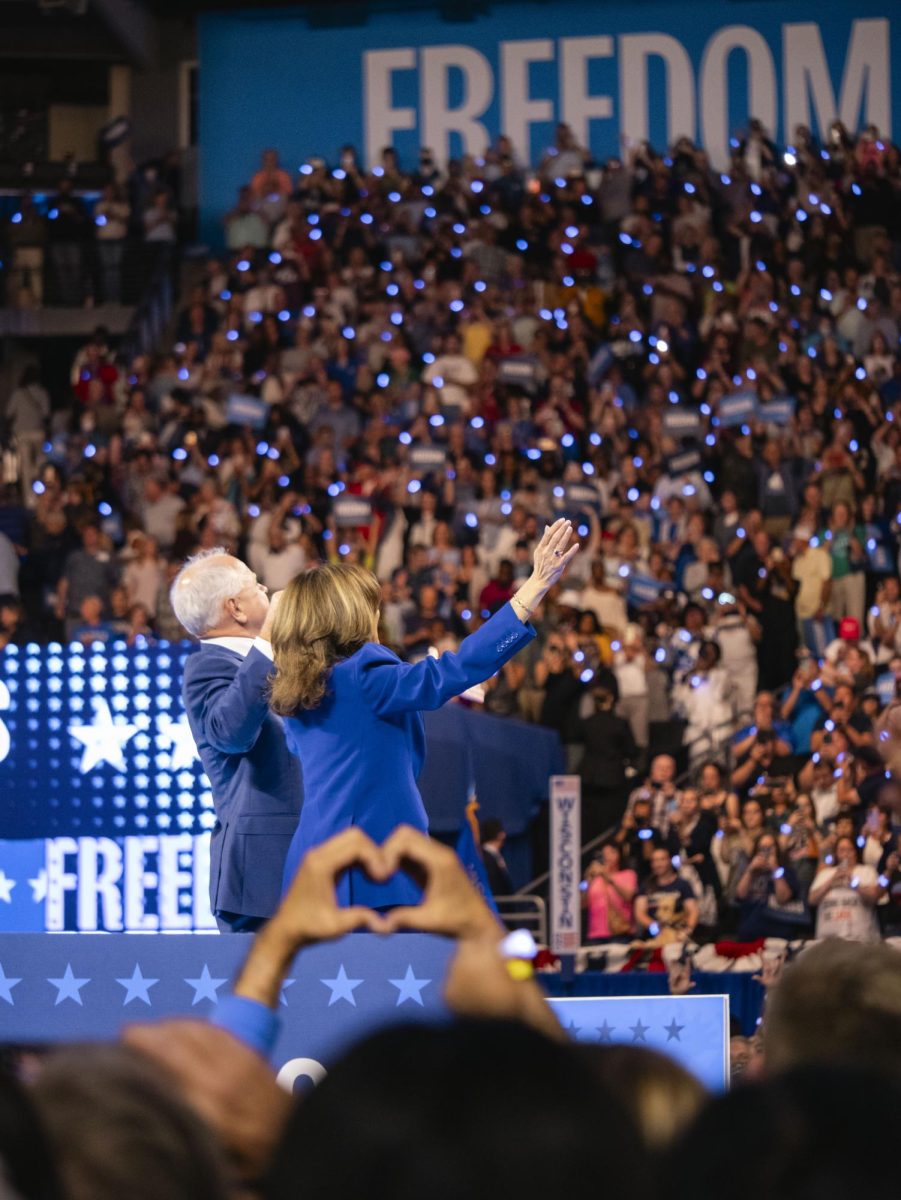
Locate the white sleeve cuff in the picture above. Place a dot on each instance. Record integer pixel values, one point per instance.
(263, 646)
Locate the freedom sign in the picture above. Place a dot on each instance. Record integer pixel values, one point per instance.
(373, 77)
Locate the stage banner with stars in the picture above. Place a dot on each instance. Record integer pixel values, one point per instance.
(692, 1029)
(97, 743)
(106, 811)
(61, 989)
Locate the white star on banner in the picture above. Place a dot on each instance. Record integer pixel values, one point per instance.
(103, 739)
(178, 736)
(410, 988)
(341, 987)
(7, 983)
(205, 987)
(138, 987)
(6, 887)
(38, 887)
(68, 988)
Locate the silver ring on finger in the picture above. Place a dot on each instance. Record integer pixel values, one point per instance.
(558, 554)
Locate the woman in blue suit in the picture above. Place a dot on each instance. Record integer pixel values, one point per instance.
(353, 709)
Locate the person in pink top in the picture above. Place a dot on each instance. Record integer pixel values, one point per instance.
(608, 894)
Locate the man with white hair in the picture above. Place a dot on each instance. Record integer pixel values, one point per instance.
(255, 780)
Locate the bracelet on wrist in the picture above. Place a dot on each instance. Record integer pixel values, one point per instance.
(521, 607)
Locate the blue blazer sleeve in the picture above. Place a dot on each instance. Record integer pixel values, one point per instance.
(391, 686)
(229, 714)
(249, 1021)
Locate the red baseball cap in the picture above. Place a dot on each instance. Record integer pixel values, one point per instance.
(849, 629)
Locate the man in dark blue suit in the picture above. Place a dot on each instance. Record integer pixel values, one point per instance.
(255, 780)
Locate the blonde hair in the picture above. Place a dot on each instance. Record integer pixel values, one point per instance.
(324, 615)
(662, 1098)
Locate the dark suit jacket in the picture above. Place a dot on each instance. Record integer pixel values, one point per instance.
(497, 874)
(255, 780)
(609, 747)
(363, 746)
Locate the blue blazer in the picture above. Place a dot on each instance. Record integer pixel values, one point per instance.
(256, 782)
(363, 747)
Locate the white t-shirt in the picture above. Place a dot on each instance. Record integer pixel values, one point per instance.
(277, 569)
(144, 580)
(811, 569)
(843, 912)
(608, 607)
(825, 804)
(160, 518)
(457, 375)
(631, 677)
(706, 701)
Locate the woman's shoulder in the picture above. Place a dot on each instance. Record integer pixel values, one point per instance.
(371, 654)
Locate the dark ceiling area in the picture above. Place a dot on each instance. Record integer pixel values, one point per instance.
(29, 30)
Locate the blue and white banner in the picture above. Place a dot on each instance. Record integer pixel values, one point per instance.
(738, 409)
(694, 1030)
(350, 511)
(426, 458)
(684, 463)
(152, 883)
(682, 422)
(519, 372)
(618, 75)
(247, 410)
(566, 863)
(582, 497)
(601, 362)
(644, 589)
(777, 412)
(64, 989)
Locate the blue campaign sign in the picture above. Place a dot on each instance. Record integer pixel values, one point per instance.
(615, 74)
(692, 1029)
(777, 412)
(247, 410)
(737, 409)
(644, 589)
(682, 422)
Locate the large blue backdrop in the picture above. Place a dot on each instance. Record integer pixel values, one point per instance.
(614, 72)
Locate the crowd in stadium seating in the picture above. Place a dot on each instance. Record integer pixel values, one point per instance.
(70, 248)
(417, 368)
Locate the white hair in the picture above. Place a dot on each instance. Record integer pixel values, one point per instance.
(201, 588)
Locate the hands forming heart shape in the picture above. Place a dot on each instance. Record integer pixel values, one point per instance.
(451, 905)
(477, 983)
